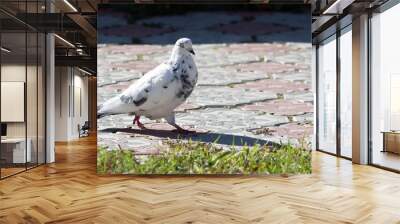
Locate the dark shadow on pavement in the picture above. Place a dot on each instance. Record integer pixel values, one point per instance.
(206, 137)
(236, 23)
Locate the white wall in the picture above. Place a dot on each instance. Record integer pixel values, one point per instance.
(61, 103)
(79, 111)
(70, 83)
(12, 73)
(33, 125)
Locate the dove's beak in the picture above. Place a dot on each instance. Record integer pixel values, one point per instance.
(192, 52)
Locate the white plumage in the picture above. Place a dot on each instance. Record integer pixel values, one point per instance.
(160, 90)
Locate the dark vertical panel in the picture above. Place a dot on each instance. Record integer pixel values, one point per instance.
(45, 90)
(60, 86)
(369, 78)
(37, 91)
(69, 97)
(73, 91)
(338, 73)
(25, 89)
(316, 97)
(80, 102)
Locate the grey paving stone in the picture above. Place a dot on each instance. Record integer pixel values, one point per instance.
(237, 87)
(205, 96)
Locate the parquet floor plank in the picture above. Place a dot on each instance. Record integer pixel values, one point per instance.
(70, 191)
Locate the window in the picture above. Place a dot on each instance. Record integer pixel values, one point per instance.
(346, 92)
(385, 89)
(327, 96)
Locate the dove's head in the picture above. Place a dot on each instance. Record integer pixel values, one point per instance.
(184, 45)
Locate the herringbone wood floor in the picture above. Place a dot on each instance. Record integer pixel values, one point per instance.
(69, 191)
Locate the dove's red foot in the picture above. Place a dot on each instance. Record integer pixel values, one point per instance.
(139, 124)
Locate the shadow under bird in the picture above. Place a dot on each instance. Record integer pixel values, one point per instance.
(159, 91)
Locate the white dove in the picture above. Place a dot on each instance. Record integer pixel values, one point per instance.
(159, 91)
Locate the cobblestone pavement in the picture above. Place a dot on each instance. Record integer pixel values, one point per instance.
(246, 92)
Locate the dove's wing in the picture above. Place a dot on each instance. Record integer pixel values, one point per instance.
(145, 94)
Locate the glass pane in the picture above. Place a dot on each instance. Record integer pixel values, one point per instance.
(327, 96)
(31, 98)
(385, 86)
(41, 98)
(346, 94)
(13, 86)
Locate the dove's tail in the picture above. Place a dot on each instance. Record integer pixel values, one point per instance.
(99, 113)
(110, 107)
(102, 111)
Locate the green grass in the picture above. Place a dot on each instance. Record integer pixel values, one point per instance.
(201, 158)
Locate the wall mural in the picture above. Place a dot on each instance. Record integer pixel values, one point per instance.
(197, 89)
